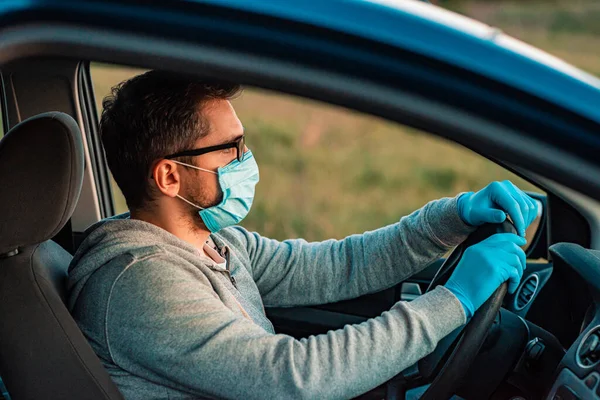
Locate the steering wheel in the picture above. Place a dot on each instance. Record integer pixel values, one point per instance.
(448, 364)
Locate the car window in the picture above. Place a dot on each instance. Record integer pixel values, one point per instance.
(328, 172)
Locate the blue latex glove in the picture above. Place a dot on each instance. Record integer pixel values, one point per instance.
(492, 203)
(484, 267)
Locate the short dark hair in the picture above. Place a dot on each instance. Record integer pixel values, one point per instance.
(150, 116)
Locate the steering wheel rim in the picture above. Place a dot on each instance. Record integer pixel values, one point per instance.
(450, 375)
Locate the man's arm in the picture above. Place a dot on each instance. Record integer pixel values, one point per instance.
(295, 272)
(165, 326)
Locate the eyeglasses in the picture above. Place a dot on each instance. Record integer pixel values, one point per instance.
(239, 144)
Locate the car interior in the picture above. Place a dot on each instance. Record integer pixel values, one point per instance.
(55, 183)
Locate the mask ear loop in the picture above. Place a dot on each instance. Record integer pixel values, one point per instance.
(193, 166)
(198, 168)
(189, 202)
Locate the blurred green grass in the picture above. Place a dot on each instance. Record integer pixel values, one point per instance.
(568, 29)
(330, 172)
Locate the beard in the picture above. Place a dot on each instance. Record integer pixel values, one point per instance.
(205, 198)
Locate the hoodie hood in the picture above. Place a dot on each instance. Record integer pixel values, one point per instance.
(113, 237)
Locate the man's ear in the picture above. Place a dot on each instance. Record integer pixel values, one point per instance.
(166, 177)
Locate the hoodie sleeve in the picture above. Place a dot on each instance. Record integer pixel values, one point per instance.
(295, 272)
(165, 327)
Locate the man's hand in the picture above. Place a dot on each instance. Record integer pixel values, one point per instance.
(492, 203)
(484, 267)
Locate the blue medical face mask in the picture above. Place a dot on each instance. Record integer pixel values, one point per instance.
(237, 180)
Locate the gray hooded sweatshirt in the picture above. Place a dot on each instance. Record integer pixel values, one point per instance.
(170, 323)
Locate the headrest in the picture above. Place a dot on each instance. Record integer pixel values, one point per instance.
(41, 173)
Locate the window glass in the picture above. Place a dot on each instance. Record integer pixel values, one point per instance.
(328, 172)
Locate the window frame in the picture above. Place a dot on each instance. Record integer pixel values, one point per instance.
(99, 165)
(3, 107)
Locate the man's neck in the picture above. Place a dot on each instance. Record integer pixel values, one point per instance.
(185, 229)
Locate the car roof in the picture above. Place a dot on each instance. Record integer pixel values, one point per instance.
(432, 31)
(418, 27)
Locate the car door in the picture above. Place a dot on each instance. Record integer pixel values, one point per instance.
(564, 220)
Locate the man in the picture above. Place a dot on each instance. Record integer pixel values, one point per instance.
(172, 296)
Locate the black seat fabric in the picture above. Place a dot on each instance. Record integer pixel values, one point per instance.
(43, 354)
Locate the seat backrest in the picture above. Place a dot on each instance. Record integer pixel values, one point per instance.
(43, 354)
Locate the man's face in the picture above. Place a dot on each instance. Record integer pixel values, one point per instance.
(201, 187)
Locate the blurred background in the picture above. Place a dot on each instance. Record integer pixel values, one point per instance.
(568, 29)
(328, 172)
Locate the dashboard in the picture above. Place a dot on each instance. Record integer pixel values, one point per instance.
(578, 374)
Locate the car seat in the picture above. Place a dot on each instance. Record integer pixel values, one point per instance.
(43, 354)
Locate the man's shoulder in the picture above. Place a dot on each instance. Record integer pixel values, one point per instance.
(145, 270)
(102, 268)
(147, 265)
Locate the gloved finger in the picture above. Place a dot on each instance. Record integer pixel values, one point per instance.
(531, 211)
(509, 254)
(514, 279)
(505, 201)
(522, 258)
(509, 274)
(521, 199)
(490, 215)
(504, 274)
(532, 203)
(527, 204)
(505, 237)
(513, 259)
(534, 210)
(506, 245)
